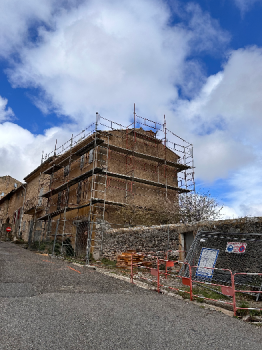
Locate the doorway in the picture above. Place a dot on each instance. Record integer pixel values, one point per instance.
(188, 240)
(82, 232)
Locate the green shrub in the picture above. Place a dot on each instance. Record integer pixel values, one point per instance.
(241, 313)
(108, 262)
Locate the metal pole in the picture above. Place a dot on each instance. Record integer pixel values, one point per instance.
(134, 116)
(190, 282)
(166, 263)
(22, 214)
(91, 214)
(234, 294)
(168, 237)
(57, 224)
(63, 233)
(132, 279)
(158, 277)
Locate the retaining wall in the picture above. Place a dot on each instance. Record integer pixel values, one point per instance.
(155, 238)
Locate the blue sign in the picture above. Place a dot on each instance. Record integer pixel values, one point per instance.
(230, 248)
(206, 263)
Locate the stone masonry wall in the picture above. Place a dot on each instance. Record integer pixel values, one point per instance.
(7, 184)
(155, 238)
(142, 239)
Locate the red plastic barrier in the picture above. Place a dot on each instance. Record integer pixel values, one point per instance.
(188, 281)
(244, 291)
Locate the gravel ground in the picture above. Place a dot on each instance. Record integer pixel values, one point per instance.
(44, 304)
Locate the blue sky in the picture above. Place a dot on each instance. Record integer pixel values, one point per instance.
(197, 62)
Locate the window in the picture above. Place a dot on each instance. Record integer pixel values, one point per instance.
(79, 192)
(66, 170)
(82, 161)
(91, 156)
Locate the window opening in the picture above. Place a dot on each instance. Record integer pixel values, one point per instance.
(82, 161)
(91, 156)
(66, 170)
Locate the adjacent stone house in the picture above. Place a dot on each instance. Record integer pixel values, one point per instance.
(20, 208)
(37, 183)
(11, 212)
(8, 184)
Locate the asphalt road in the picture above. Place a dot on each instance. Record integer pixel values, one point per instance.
(47, 304)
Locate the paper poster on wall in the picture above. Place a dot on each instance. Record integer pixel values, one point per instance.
(206, 263)
(236, 247)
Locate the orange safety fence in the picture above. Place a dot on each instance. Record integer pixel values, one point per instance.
(258, 292)
(160, 277)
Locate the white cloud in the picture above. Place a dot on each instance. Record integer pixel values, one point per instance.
(21, 151)
(245, 5)
(19, 19)
(246, 195)
(228, 213)
(225, 123)
(225, 118)
(16, 17)
(103, 56)
(207, 31)
(6, 113)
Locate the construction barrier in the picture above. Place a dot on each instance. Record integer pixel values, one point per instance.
(158, 273)
(252, 292)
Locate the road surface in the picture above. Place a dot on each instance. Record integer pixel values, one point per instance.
(47, 304)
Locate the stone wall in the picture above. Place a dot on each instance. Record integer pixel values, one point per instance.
(142, 239)
(217, 234)
(7, 184)
(155, 238)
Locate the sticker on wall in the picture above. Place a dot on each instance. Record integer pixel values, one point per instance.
(206, 263)
(236, 247)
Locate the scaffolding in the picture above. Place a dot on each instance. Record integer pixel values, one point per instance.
(149, 160)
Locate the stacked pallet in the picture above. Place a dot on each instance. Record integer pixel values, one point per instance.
(124, 260)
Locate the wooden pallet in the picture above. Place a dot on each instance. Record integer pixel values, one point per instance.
(124, 260)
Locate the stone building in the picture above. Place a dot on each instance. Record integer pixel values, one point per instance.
(8, 184)
(35, 205)
(11, 212)
(74, 194)
(105, 171)
(20, 208)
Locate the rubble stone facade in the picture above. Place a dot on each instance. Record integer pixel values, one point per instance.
(8, 184)
(164, 237)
